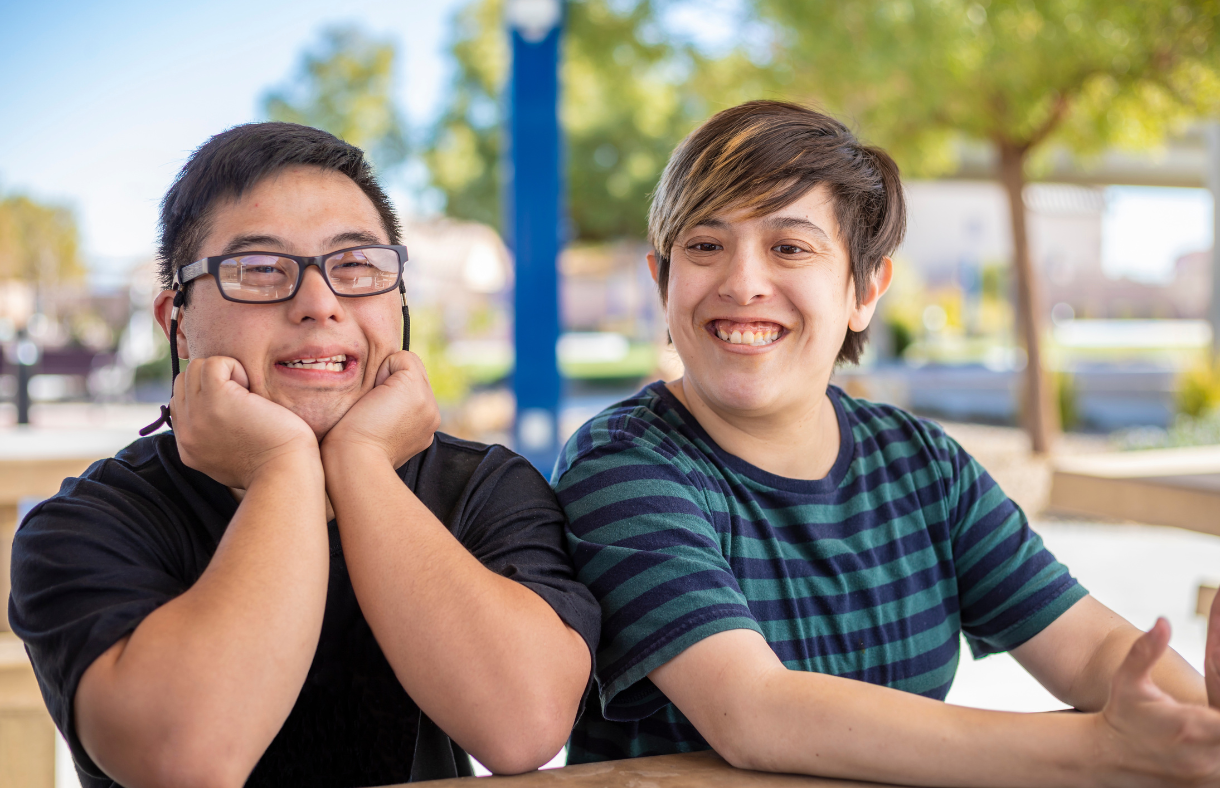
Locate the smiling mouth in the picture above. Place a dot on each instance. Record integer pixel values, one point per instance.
(755, 334)
(331, 364)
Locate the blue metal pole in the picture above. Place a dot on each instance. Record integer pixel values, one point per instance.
(533, 218)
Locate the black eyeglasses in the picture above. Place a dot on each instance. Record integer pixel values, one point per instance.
(270, 277)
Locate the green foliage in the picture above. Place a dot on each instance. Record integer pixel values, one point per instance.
(1067, 398)
(920, 75)
(450, 384)
(628, 95)
(1199, 390)
(39, 244)
(345, 86)
(901, 336)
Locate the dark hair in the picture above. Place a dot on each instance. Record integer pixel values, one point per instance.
(234, 161)
(764, 155)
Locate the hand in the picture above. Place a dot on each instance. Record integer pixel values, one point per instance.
(228, 432)
(1152, 738)
(396, 418)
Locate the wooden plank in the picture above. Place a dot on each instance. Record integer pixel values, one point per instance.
(1142, 499)
(37, 478)
(1207, 595)
(688, 770)
(27, 749)
(8, 529)
(27, 735)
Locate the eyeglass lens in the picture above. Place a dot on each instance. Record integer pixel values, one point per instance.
(264, 277)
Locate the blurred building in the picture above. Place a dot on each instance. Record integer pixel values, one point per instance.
(958, 227)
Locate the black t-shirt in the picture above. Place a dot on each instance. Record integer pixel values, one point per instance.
(137, 530)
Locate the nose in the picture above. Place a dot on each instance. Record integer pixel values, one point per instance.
(314, 300)
(746, 278)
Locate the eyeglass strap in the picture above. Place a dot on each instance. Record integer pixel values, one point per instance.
(164, 418)
(406, 317)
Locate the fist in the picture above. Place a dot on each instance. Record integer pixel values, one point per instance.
(226, 431)
(395, 419)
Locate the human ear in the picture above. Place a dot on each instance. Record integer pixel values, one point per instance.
(163, 309)
(652, 266)
(878, 283)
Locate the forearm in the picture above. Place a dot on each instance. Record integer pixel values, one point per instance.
(486, 658)
(203, 684)
(823, 725)
(1172, 673)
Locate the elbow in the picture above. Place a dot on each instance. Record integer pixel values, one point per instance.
(734, 746)
(191, 764)
(733, 732)
(527, 741)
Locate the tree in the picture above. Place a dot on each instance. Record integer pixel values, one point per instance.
(39, 244)
(629, 92)
(1024, 76)
(346, 86)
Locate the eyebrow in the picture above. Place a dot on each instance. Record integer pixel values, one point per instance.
(796, 223)
(774, 223)
(275, 243)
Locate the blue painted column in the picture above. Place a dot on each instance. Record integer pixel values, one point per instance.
(533, 212)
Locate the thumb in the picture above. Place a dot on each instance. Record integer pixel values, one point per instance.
(1211, 658)
(1137, 667)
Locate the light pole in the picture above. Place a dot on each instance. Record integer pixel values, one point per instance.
(533, 221)
(27, 356)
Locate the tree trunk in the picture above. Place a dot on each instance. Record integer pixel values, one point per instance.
(1041, 415)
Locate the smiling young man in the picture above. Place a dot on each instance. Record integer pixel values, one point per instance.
(304, 583)
(785, 571)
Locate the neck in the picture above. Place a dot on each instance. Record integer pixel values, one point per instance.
(797, 443)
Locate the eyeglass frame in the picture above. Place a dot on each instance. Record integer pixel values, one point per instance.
(210, 266)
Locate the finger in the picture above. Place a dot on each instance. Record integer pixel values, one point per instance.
(1144, 653)
(1211, 655)
(218, 371)
(385, 370)
(238, 375)
(397, 362)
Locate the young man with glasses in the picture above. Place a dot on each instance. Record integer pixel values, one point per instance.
(303, 583)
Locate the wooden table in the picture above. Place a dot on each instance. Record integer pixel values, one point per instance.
(27, 735)
(33, 463)
(689, 770)
(1176, 487)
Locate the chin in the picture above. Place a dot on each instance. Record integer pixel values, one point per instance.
(320, 416)
(740, 392)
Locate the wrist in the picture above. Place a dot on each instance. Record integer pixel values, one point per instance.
(339, 455)
(302, 469)
(1097, 755)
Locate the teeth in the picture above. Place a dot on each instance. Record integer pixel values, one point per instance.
(332, 364)
(753, 337)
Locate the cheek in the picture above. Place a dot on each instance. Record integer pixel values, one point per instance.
(382, 327)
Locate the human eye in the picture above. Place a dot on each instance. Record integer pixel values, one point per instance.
(262, 269)
(789, 249)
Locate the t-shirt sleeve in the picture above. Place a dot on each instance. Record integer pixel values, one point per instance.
(85, 573)
(1010, 587)
(508, 518)
(644, 541)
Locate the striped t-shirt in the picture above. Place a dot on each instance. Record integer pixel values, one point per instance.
(870, 573)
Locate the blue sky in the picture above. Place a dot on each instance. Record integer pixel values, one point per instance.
(100, 104)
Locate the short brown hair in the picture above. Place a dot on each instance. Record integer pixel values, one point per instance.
(764, 155)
